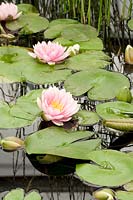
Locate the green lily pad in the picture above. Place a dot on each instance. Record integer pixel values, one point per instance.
(88, 60)
(15, 194)
(30, 23)
(33, 195)
(59, 142)
(62, 21)
(18, 194)
(130, 24)
(79, 32)
(122, 195)
(21, 114)
(64, 41)
(87, 118)
(129, 186)
(100, 84)
(112, 168)
(55, 31)
(13, 69)
(27, 8)
(92, 44)
(114, 110)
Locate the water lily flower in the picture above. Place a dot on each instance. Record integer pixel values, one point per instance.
(50, 52)
(57, 105)
(73, 50)
(129, 54)
(9, 11)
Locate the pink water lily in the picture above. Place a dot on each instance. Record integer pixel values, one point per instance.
(50, 52)
(8, 11)
(57, 105)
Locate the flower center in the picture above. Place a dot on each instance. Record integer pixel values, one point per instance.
(57, 105)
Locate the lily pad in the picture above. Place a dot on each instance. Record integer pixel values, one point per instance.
(30, 23)
(62, 21)
(55, 31)
(87, 118)
(64, 41)
(82, 33)
(100, 84)
(13, 69)
(111, 168)
(129, 186)
(18, 194)
(27, 8)
(59, 142)
(21, 114)
(88, 60)
(130, 24)
(15, 194)
(92, 44)
(122, 195)
(114, 110)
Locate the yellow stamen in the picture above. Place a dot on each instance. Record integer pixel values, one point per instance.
(57, 105)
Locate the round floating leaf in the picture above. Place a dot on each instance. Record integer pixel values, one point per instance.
(87, 118)
(130, 24)
(122, 195)
(114, 110)
(21, 114)
(57, 26)
(88, 60)
(62, 21)
(64, 41)
(92, 44)
(55, 31)
(18, 194)
(27, 8)
(100, 84)
(15, 194)
(112, 168)
(79, 32)
(59, 142)
(13, 69)
(30, 23)
(129, 186)
(33, 196)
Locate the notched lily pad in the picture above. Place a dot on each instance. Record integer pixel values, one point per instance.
(114, 110)
(100, 84)
(111, 168)
(18, 194)
(21, 114)
(27, 8)
(30, 23)
(86, 118)
(123, 195)
(14, 69)
(70, 144)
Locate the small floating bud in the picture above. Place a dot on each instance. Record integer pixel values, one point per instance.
(129, 54)
(104, 194)
(11, 143)
(124, 94)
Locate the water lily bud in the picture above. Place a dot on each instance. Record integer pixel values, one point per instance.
(11, 143)
(104, 194)
(124, 94)
(7, 36)
(73, 50)
(129, 54)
